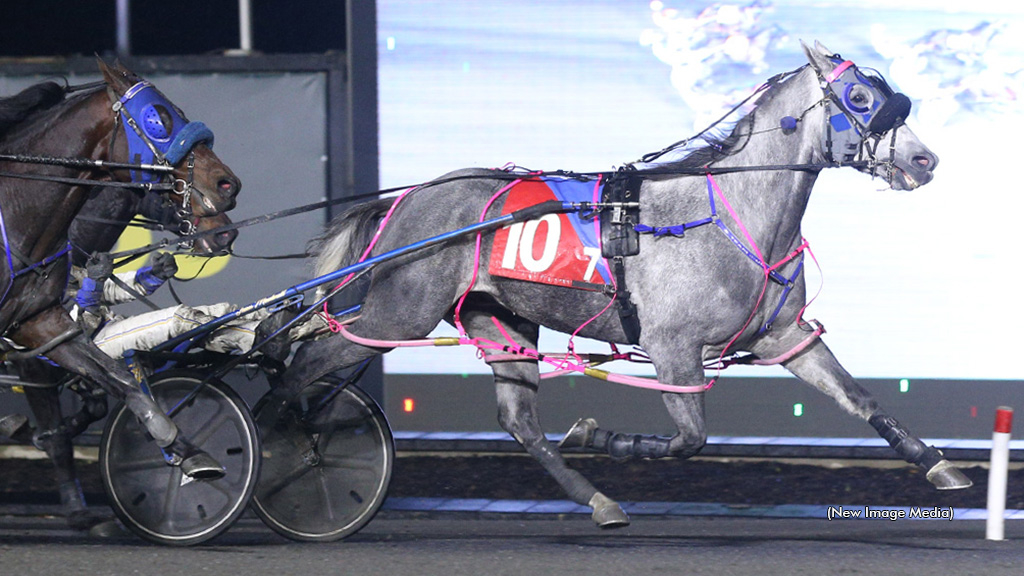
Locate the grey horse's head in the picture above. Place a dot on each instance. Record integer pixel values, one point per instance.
(867, 123)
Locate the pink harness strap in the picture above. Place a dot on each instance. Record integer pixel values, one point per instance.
(562, 363)
(332, 323)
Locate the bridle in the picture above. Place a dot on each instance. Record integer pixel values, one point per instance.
(158, 134)
(156, 144)
(867, 109)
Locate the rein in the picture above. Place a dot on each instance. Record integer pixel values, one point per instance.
(179, 142)
(145, 186)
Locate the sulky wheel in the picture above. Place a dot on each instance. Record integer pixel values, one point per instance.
(156, 500)
(326, 463)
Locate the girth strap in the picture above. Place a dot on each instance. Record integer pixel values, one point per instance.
(619, 239)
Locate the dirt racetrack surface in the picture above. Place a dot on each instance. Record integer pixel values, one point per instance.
(518, 477)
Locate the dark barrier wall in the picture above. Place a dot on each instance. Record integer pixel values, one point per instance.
(284, 125)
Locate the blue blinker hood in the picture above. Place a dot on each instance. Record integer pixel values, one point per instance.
(156, 130)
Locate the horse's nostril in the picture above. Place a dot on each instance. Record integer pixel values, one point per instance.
(923, 161)
(228, 186)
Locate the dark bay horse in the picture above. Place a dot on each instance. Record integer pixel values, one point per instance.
(126, 120)
(99, 224)
(726, 220)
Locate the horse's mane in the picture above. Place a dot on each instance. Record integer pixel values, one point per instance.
(718, 145)
(15, 109)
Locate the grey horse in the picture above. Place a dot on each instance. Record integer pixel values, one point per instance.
(693, 297)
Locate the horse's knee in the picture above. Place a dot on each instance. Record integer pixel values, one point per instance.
(689, 444)
(519, 428)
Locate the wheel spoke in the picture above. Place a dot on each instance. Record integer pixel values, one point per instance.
(128, 466)
(267, 491)
(372, 464)
(324, 489)
(204, 431)
(170, 498)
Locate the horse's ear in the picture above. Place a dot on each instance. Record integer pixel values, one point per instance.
(111, 75)
(117, 77)
(104, 69)
(819, 57)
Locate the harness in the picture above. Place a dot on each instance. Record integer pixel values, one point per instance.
(867, 109)
(156, 144)
(42, 268)
(161, 136)
(620, 239)
(772, 271)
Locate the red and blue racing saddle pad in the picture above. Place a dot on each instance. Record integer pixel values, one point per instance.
(557, 249)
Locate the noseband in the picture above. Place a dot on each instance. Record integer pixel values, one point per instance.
(158, 133)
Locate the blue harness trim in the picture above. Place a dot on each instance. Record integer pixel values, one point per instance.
(679, 230)
(10, 259)
(146, 114)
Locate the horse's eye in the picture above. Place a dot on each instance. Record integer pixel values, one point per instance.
(858, 98)
(166, 119)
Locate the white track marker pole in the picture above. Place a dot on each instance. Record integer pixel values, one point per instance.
(997, 472)
(245, 25)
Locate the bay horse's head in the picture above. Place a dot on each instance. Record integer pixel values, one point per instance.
(865, 121)
(149, 129)
(108, 211)
(161, 210)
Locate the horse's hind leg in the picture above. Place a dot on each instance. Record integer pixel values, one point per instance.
(818, 367)
(516, 386)
(55, 433)
(55, 438)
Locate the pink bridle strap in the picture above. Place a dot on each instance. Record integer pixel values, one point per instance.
(838, 71)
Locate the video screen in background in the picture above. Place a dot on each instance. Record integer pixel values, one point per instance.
(922, 284)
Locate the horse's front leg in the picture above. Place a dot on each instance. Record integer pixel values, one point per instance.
(81, 356)
(818, 367)
(515, 383)
(687, 411)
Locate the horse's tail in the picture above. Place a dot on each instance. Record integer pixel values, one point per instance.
(347, 236)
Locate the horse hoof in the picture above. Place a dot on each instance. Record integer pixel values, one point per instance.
(108, 529)
(12, 425)
(202, 466)
(607, 512)
(946, 476)
(85, 520)
(581, 435)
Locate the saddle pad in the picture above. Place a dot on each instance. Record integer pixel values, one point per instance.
(557, 249)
